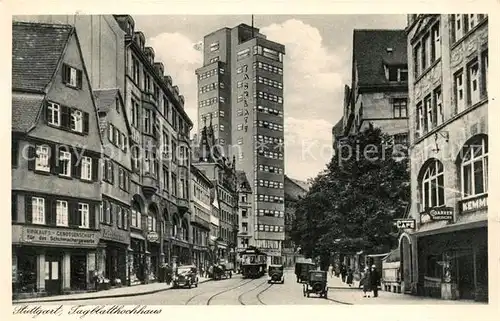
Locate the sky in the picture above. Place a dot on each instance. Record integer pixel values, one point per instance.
(317, 65)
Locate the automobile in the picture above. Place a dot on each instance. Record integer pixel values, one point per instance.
(185, 276)
(275, 273)
(302, 270)
(316, 284)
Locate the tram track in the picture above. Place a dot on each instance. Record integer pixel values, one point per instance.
(240, 284)
(240, 297)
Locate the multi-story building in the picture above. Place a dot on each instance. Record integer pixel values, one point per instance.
(56, 147)
(246, 218)
(201, 209)
(294, 190)
(241, 91)
(222, 174)
(160, 147)
(378, 94)
(446, 255)
(115, 212)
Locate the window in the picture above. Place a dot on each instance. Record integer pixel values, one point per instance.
(221, 128)
(165, 179)
(83, 211)
(72, 76)
(484, 73)
(222, 141)
(425, 52)
(474, 168)
(417, 60)
(64, 163)
(221, 113)
(473, 82)
(38, 210)
(458, 26)
(42, 159)
(433, 185)
(147, 120)
(436, 43)
(244, 213)
(119, 217)
(393, 73)
(240, 141)
(244, 227)
(399, 107)
(438, 107)
(214, 46)
(243, 54)
(428, 117)
(76, 123)
(472, 21)
(86, 168)
(62, 213)
(459, 92)
(54, 114)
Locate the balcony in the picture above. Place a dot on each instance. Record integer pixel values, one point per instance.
(149, 185)
(200, 222)
(183, 205)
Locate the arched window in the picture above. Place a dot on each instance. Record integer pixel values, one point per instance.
(136, 215)
(474, 168)
(432, 185)
(175, 225)
(184, 231)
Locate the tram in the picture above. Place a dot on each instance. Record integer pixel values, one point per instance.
(253, 263)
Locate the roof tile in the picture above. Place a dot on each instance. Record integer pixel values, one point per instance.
(25, 109)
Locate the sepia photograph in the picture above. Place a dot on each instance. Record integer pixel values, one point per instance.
(249, 159)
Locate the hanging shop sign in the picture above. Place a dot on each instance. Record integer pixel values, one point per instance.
(441, 213)
(403, 223)
(153, 236)
(474, 204)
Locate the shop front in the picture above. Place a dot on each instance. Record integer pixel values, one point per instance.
(453, 265)
(181, 252)
(114, 244)
(137, 259)
(52, 261)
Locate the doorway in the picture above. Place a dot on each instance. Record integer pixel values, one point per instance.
(78, 271)
(466, 285)
(53, 274)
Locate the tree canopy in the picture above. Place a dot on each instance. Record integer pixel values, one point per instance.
(351, 206)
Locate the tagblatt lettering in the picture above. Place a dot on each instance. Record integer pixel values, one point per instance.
(82, 311)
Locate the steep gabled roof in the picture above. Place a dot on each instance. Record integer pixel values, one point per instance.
(243, 182)
(36, 51)
(338, 128)
(370, 53)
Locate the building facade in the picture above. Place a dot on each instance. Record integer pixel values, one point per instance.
(56, 147)
(224, 196)
(241, 91)
(446, 255)
(294, 190)
(201, 209)
(246, 219)
(160, 147)
(116, 169)
(378, 93)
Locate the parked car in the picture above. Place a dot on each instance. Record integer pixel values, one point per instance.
(185, 276)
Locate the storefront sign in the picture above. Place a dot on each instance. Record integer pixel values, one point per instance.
(405, 223)
(153, 236)
(475, 204)
(115, 235)
(54, 236)
(441, 213)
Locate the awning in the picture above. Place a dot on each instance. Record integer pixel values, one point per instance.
(136, 235)
(378, 255)
(452, 228)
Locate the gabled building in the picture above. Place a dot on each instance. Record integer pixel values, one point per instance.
(446, 255)
(56, 147)
(246, 219)
(116, 169)
(378, 93)
(201, 209)
(222, 174)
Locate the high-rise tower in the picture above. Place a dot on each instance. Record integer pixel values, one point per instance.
(240, 90)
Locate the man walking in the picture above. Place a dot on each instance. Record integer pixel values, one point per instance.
(375, 280)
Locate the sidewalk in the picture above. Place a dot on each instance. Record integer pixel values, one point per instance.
(125, 291)
(342, 293)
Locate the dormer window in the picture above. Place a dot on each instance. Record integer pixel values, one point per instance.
(396, 73)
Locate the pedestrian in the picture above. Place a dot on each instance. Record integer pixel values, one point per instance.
(330, 269)
(375, 280)
(343, 272)
(367, 283)
(168, 274)
(350, 277)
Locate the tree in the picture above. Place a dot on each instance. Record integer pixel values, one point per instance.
(351, 206)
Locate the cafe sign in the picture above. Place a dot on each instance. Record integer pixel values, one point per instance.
(402, 223)
(441, 213)
(153, 236)
(474, 204)
(54, 236)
